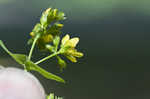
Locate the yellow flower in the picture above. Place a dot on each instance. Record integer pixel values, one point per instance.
(66, 41)
(68, 46)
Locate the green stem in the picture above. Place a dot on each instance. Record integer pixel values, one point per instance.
(48, 57)
(32, 47)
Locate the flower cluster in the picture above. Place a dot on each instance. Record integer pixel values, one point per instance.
(68, 48)
(47, 36)
(48, 32)
(48, 28)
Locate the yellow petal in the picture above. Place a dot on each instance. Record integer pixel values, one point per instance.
(74, 53)
(78, 54)
(71, 58)
(65, 39)
(72, 42)
(60, 25)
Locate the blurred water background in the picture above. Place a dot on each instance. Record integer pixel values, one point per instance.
(115, 37)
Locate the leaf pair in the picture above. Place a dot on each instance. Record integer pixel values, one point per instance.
(29, 65)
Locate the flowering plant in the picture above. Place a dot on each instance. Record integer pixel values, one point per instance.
(46, 35)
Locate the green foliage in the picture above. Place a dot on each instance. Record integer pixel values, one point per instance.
(29, 65)
(46, 36)
(32, 66)
(52, 96)
(20, 58)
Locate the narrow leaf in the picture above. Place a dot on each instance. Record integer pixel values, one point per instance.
(20, 58)
(31, 66)
(3, 46)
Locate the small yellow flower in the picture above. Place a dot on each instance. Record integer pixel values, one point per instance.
(68, 46)
(66, 41)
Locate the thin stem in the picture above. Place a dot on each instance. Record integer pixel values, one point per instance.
(32, 47)
(48, 57)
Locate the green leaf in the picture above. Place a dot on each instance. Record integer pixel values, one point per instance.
(20, 58)
(32, 66)
(3, 46)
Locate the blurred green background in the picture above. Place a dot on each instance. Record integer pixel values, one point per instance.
(115, 37)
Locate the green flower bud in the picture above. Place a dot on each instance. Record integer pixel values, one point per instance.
(44, 18)
(50, 48)
(37, 28)
(56, 40)
(61, 63)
